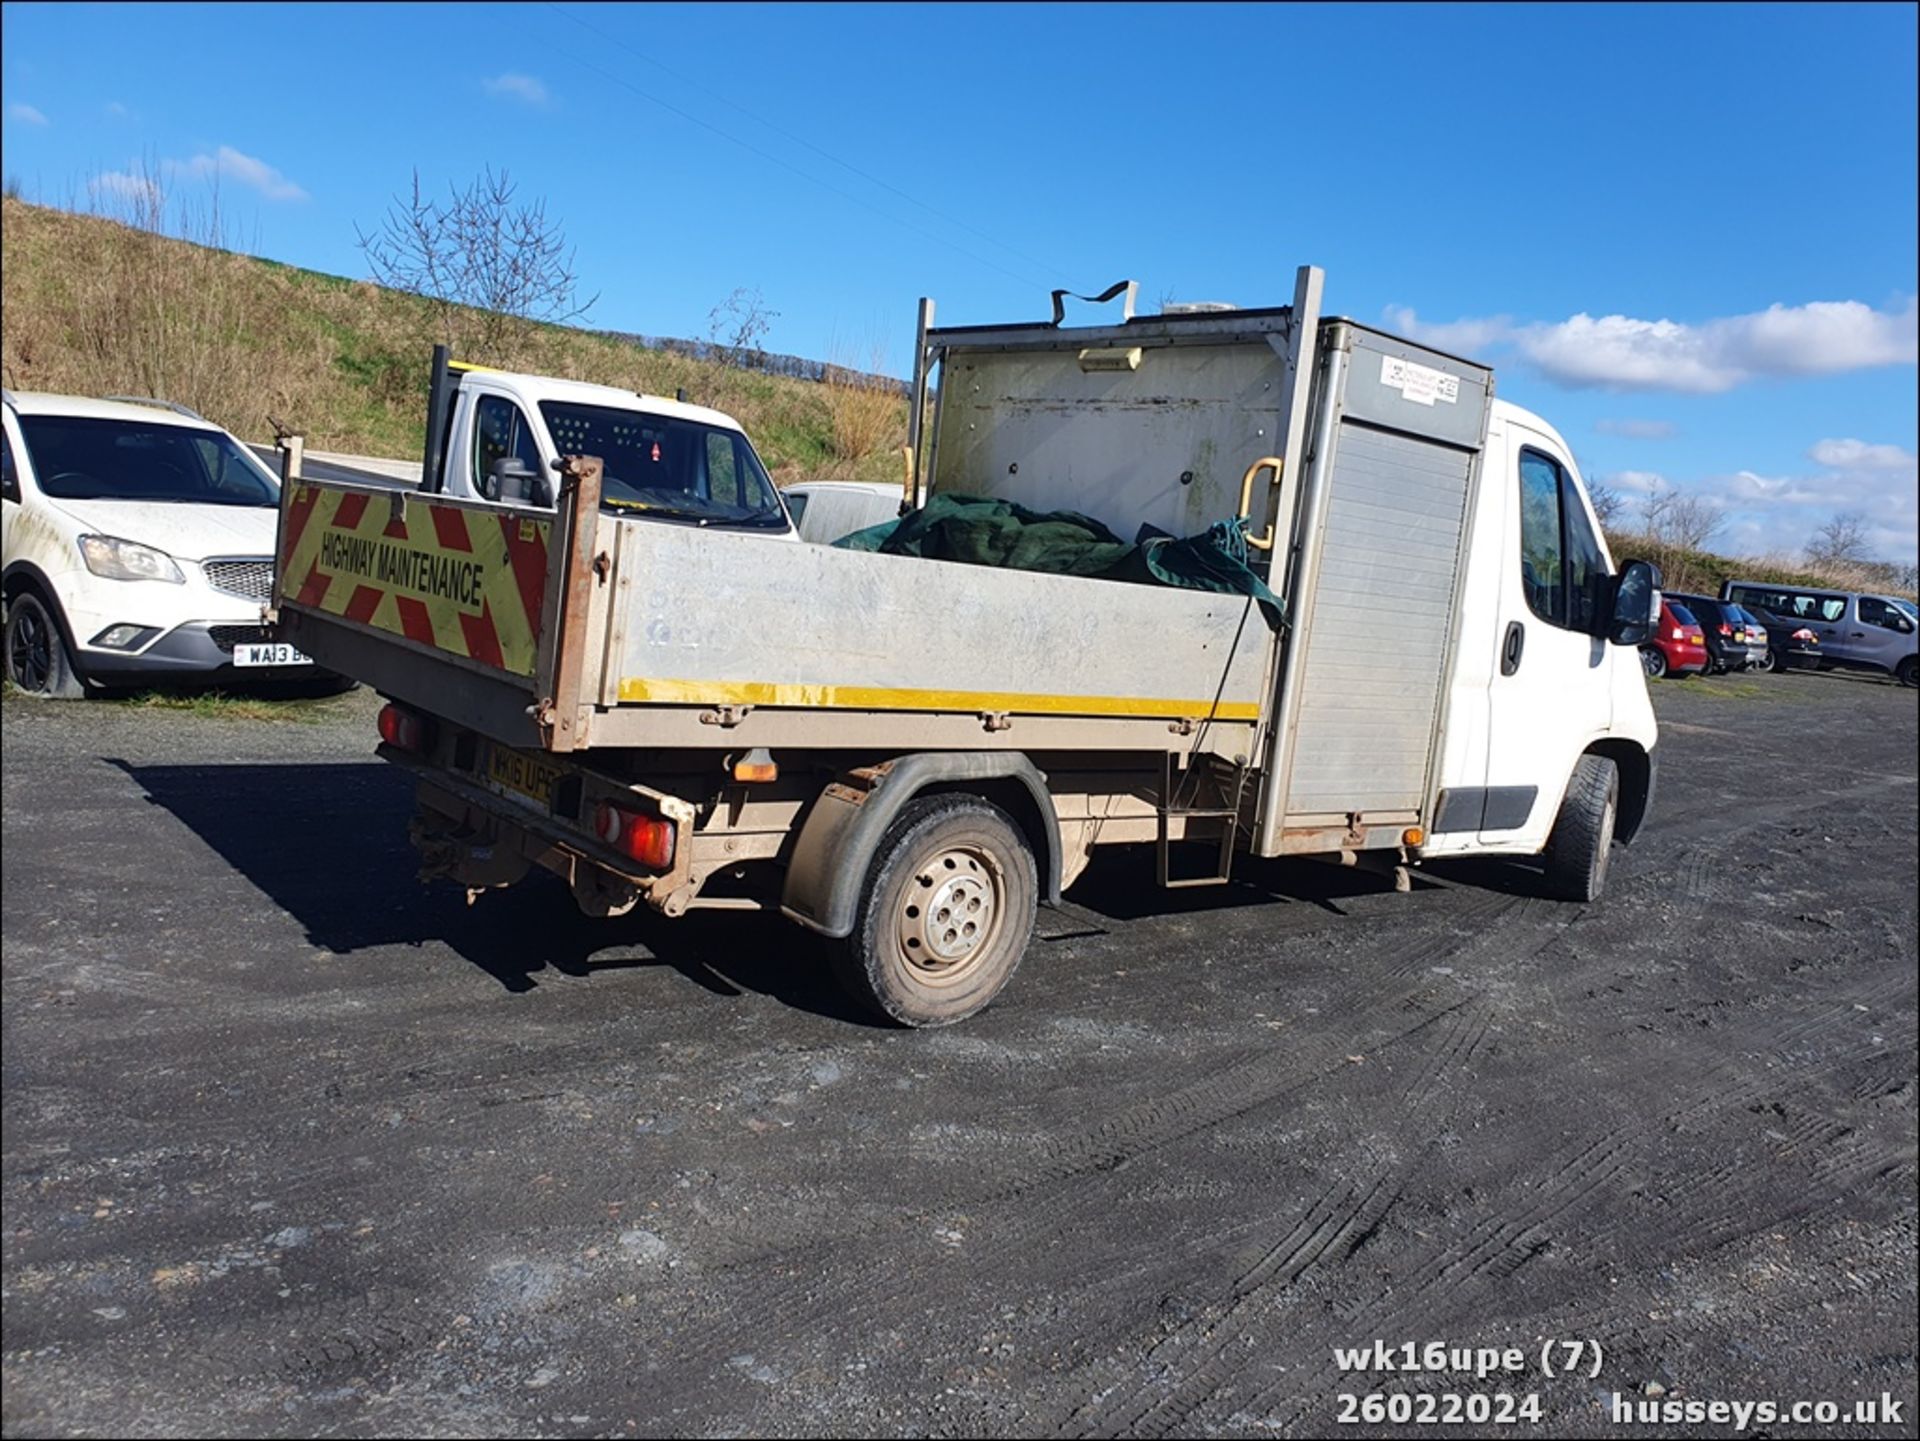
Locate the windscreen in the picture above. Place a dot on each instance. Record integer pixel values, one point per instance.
(88, 458)
(675, 469)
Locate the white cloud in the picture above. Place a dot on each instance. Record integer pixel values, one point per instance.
(514, 86)
(28, 114)
(1859, 455)
(1637, 482)
(1638, 429)
(226, 163)
(126, 185)
(116, 111)
(1619, 352)
(1778, 514)
(1460, 337)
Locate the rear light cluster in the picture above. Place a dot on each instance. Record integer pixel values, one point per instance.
(1725, 629)
(647, 839)
(403, 729)
(1679, 634)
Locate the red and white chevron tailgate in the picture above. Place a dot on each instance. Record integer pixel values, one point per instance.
(466, 581)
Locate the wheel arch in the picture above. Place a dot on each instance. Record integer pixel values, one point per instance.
(24, 576)
(843, 828)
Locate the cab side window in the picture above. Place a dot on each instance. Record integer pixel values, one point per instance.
(1540, 537)
(500, 432)
(1562, 568)
(723, 474)
(9, 477)
(1878, 612)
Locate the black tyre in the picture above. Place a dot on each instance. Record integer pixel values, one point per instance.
(945, 915)
(1653, 661)
(1768, 663)
(1908, 672)
(1582, 838)
(38, 662)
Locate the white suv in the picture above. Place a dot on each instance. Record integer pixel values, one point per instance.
(138, 546)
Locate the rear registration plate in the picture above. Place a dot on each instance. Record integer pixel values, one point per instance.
(279, 653)
(523, 775)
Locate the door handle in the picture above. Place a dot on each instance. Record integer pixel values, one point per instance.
(1516, 642)
(1275, 464)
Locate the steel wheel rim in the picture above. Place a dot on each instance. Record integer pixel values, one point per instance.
(950, 915)
(30, 651)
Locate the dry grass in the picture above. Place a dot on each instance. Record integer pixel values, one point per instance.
(91, 305)
(867, 412)
(1700, 572)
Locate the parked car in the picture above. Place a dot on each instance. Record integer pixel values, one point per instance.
(1791, 645)
(1677, 647)
(1855, 631)
(138, 546)
(1726, 628)
(1759, 641)
(825, 510)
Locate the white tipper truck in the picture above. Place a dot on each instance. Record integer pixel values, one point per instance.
(606, 655)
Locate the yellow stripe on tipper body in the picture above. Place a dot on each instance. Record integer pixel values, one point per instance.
(644, 691)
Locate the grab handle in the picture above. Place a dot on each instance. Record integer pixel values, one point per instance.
(1266, 462)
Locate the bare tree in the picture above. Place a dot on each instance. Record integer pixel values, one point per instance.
(738, 328)
(1841, 540)
(479, 252)
(1686, 522)
(1608, 503)
(1692, 521)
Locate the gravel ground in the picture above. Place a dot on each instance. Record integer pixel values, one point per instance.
(295, 1146)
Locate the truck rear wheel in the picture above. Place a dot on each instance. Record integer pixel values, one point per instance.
(1582, 836)
(945, 914)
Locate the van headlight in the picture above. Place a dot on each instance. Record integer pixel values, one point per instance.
(123, 560)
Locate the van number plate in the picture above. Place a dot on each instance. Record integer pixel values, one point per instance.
(523, 774)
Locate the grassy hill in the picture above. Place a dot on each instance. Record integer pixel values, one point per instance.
(94, 307)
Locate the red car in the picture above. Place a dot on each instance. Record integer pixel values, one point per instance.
(1678, 647)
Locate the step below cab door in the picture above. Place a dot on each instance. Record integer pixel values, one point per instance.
(1551, 689)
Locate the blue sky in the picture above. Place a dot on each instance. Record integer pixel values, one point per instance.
(1687, 236)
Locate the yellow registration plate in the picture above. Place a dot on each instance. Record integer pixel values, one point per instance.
(531, 778)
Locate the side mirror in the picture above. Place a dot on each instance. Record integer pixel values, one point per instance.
(1636, 603)
(512, 479)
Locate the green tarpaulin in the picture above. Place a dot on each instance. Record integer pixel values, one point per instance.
(977, 531)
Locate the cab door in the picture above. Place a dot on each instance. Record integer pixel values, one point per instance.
(1551, 689)
(1880, 633)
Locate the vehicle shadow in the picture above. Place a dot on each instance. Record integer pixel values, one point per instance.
(328, 845)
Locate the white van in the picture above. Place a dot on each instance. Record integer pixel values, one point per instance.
(1370, 618)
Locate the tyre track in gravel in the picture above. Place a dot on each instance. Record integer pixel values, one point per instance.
(1447, 1286)
(1023, 1218)
(1030, 1207)
(1194, 1355)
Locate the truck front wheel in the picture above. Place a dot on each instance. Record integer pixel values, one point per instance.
(945, 914)
(1582, 836)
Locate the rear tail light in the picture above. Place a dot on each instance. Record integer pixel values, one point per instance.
(1805, 636)
(1679, 634)
(403, 729)
(1725, 629)
(647, 839)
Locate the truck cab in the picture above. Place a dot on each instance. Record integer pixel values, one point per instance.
(500, 433)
